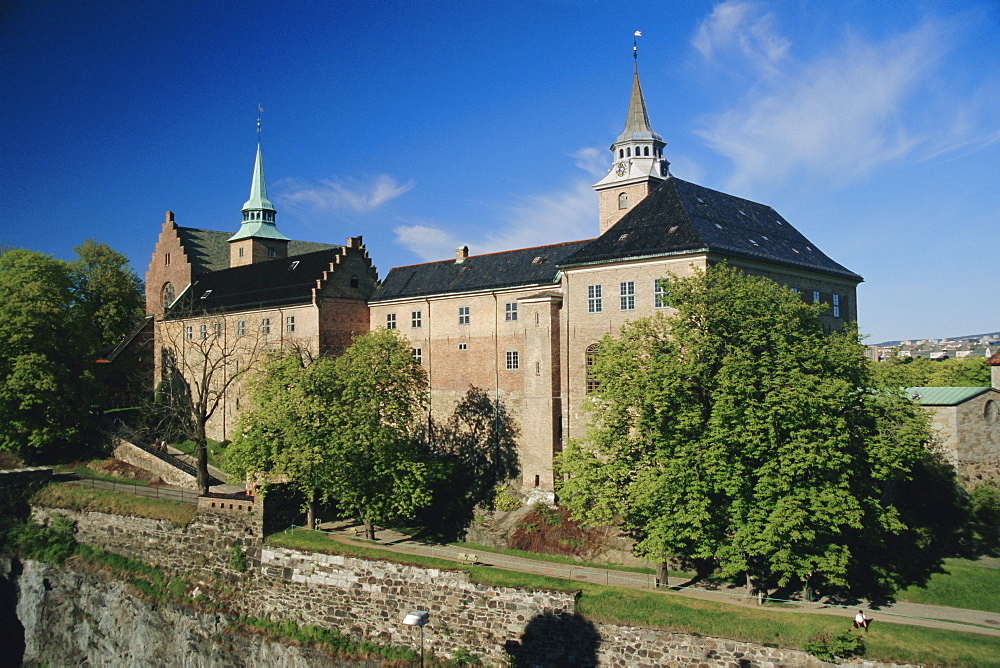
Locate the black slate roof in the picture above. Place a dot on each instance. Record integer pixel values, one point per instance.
(278, 282)
(208, 250)
(493, 271)
(681, 217)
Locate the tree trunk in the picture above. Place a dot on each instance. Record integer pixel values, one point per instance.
(662, 574)
(369, 529)
(201, 453)
(311, 515)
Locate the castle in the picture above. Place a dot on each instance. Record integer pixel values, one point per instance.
(521, 324)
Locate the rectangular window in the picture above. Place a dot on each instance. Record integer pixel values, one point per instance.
(463, 315)
(538, 368)
(241, 327)
(815, 296)
(271, 252)
(836, 306)
(202, 331)
(628, 295)
(512, 360)
(166, 260)
(661, 297)
(189, 332)
(418, 355)
(510, 309)
(795, 290)
(390, 321)
(217, 330)
(289, 323)
(463, 346)
(241, 251)
(594, 304)
(416, 318)
(265, 326)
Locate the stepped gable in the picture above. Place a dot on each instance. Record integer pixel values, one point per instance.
(279, 282)
(208, 250)
(681, 217)
(493, 271)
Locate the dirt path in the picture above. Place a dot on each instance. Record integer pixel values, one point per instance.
(954, 619)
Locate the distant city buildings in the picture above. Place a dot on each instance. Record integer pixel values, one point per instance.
(980, 345)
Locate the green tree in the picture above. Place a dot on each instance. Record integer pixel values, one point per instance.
(925, 372)
(108, 293)
(46, 386)
(735, 429)
(344, 429)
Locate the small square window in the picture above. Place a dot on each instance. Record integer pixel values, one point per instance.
(510, 309)
(512, 360)
(463, 315)
(241, 327)
(594, 301)
(416, 318)
(627, 295)
(390, 321)
(463, 346)
(290, 323)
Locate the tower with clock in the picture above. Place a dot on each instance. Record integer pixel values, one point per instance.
(638, 165)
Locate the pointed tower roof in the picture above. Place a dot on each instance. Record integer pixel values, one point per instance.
(637, 120)
(258, 213)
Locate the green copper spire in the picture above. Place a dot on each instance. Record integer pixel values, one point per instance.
(258, 213)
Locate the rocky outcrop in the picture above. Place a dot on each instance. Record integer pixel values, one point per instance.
(71, 617)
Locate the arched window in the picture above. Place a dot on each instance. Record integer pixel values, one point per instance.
(645, 150)
(623, 201)
(168, 295)
(628, 151)
(591, 357)
(621, 153)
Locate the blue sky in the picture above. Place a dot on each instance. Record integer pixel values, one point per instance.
(872, 126)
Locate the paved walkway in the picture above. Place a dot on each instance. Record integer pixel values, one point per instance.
(954, 619)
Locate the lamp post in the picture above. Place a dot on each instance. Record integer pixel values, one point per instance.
(418, 618)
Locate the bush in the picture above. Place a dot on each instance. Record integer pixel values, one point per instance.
(830, 647)
(52, 544)
(237, 559)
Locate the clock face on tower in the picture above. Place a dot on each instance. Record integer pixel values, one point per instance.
(622, 168)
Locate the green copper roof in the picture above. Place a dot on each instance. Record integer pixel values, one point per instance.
(943, 396)
(258, 189)
(258, 230)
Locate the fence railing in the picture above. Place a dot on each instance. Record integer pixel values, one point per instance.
(136, 489)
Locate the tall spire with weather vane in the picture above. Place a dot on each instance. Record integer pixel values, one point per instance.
(258, 237)
(637, 165)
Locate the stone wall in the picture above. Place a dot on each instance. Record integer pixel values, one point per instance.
(136, 456)
(369, 599)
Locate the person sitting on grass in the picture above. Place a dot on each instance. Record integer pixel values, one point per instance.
(860, 621)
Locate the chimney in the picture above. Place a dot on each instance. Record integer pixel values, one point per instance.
(461, 254)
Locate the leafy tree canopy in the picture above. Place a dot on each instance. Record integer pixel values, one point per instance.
(735, 429)
(925, 372)
(108, 293)
(343, 429)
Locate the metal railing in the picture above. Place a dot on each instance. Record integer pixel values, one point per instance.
(136, 489)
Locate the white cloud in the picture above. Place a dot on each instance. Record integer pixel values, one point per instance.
(533, 220)
(838, 116)
(742, 28)
(592, 160)
(333, 195)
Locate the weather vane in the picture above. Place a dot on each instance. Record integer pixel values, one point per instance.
(259, 110)
(635, 47)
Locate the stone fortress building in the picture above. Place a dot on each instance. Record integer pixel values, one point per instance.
(520, 324)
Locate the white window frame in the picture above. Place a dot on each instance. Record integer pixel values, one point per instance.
(418, 355)
(464, 317)
(595, 303)
(513, 360)
(627, 294)
(265, 326)
(216, 330)
(661, 293)
(463, 346)
(189, 332)
(289, 323)
(416, 319)
(510, 311)
(390, 321)
(241, 327)
(203, 331)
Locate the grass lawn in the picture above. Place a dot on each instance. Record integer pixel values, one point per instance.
(663, 610)
(74, 497)
(216, 451)
(81, 469)
(966, 584)
(562, 560)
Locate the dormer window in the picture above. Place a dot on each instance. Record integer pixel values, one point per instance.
(295, 263)
(623, 237)
(271, 252)
(207, 293)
